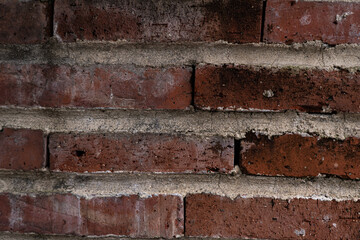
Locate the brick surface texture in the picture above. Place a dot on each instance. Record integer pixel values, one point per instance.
(243, 87)
(140, 152)
(24, 22)
(155, 216)
(22, 149)
(102, 99)
(265, 218)
(298, 156)
(288, 21)
(95, 86)
(236, 21)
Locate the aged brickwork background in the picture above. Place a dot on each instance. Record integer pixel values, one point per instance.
(190, 119)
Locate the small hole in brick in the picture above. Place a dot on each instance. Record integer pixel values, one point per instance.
(80, 153)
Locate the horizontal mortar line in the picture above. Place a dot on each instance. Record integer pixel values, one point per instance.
(18, 236)
(148, 184)
(308, 55)
(187, 122)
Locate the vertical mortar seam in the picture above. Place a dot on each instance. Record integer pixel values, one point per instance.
(263, 21)
(47, 153)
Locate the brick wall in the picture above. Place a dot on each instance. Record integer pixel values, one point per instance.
(132, 119)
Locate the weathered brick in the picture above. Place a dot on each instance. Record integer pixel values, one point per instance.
(95, 86)
(298, 156)
(248, 88)
(156, 216)
(140, 152)
(24, 21)
(5, 212)
(56, 214)
(266, 218)
(289, 21)
(237, 21)
(22, 149)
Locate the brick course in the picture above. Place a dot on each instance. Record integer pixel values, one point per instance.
(25, 22)
(249, 88)
(156, 216)
(266, 218)
(237, 21)
(95, 86)
(22, 149)
(140, 153)
(297, 156)
(289, 21)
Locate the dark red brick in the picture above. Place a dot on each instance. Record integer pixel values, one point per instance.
(248, 88)
(298, 156)
(5, 212)
(22, 149)
(140, 153)
(289, 21)
(95, 86)
(266, 218)
(25, 21)
(236, 21)
(156, 216)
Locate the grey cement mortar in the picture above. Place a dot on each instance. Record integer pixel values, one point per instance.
(146, 185)
(200, 123)
(308, 55)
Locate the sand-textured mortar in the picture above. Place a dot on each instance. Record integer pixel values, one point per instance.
(307, 55)
(200, 123)
(145, 185)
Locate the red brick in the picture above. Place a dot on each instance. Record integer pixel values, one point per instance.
(156, 216)
(249, 88)
(266, 218)
(95, 86)
(300, 21)
(236, 21)
(57, 214)
(298, 156)
(5, 212)
(140, 153)
(22, 149)
(24, 21)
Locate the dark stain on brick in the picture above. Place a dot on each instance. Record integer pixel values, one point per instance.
(239, 20)
(25, 22)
